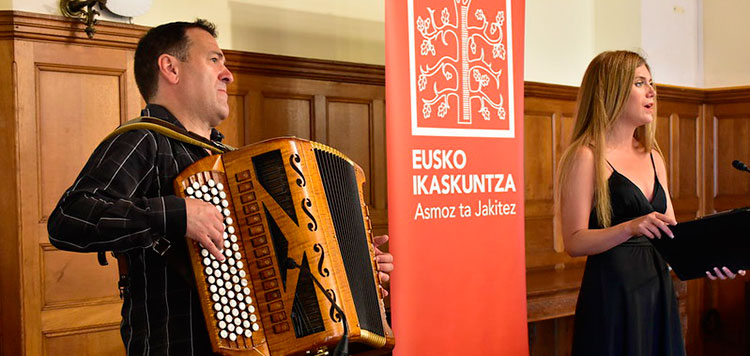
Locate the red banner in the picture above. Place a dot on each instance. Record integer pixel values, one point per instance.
(454, 88)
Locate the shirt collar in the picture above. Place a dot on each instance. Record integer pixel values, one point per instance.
(160, 112)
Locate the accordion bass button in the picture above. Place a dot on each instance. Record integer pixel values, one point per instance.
(220, 186)
(223, 334)
(248, 333)
(196, 185)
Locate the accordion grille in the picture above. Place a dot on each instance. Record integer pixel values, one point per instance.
(340, 185)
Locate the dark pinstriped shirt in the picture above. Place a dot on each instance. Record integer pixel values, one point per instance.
(123, 201)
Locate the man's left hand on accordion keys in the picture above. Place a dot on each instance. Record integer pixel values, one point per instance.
(384, 261)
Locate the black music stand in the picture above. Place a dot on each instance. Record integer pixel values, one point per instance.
(717, 240)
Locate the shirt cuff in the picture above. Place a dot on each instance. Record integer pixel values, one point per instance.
(168, 221)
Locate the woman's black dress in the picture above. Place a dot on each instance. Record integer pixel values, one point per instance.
(627, 304)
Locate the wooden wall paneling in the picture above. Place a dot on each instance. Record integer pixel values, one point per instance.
(679, 136)
(69, 99)
(233, 127)
(731, 123)
(11, 329)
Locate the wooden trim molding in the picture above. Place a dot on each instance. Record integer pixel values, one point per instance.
(40, 27)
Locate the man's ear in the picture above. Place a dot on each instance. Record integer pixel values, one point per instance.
(169, 68)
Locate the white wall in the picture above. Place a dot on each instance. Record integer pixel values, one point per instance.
(558, 48)
(670, 37)
(726, 36)
(692, 43)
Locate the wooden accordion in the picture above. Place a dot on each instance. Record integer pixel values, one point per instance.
(283, 200)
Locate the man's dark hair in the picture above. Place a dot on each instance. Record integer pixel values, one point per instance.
(169, 38)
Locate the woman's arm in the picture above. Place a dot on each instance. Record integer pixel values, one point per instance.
(576, 200)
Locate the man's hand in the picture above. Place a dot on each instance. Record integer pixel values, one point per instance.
(205, 224)
(383, 259)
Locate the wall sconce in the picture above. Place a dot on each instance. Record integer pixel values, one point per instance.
(83, 9)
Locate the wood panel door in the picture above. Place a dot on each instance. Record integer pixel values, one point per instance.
(69, 99)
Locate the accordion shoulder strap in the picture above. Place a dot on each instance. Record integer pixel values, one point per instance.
(172, 131)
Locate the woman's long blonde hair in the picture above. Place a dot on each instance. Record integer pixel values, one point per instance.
(605, 89)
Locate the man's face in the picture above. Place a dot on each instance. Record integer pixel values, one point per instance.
(204, 78)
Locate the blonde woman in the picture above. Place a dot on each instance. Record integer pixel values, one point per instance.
(612, 198)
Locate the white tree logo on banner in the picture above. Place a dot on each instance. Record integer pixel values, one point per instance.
(461, 65)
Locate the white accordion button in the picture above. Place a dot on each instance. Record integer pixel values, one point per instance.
(242, 306)
(217, 306)
(239, 330)
(230, 294)
(216, 200)
(224, 300)
(209, 270)
(233, 238)
(206, 197)
(226, 212)
(256, 327)
(242, 275)
(204, 252)
(227, 244)
(217, 273)
(215, 297)
(196, 185)
(233, 337)
(233, 303)
(214, 192)
(189, 191)
(243, 281)
(237, 321)
(213, 288)
(228, 252)
(211, 183)
(215, 264)
(206, 261)
(237, 288)
(211, 279)
(253, 318)
(219, 315)
(204, 189)
(223, 334)
(229, 221)
(222, 324)
(247, 292)
(248, 300)
(246, 323)
(222, 291)
(233, 270)
(220, 186)
(228, 318)
(248, 333)
(235, 312)
(222, 195)
(198, 194)
(230, 229)
(228, 284)
(235, 247)
(251, 309)
(226, 309)
(224, 203)
(235, 279)
(240, 264)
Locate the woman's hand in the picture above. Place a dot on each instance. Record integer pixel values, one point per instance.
(651, 225)
(726, 273)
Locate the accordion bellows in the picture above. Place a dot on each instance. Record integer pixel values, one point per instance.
(284, 200)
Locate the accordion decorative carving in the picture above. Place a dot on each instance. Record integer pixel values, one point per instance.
(294, 216)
